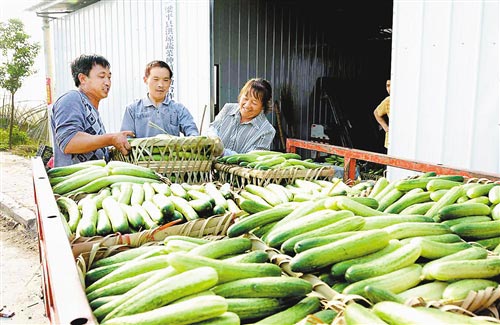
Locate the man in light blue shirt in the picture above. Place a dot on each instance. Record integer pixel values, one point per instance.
(156, 107)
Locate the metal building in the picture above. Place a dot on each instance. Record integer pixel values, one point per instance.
(327, 65)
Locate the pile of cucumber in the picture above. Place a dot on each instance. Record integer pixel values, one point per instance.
(435, 238)
(188, 280)
(268, 159)
(124, 198)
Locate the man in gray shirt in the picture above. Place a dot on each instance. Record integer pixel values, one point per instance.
(78, 132)
(157, 107)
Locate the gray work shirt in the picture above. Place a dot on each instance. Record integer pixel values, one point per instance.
(72, 113)
(237, 137)
(170, 116)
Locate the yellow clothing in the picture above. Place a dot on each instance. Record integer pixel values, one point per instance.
(384, 108)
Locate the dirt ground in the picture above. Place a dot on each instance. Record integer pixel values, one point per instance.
(20, 275)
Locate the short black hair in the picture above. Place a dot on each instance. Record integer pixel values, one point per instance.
(157, 63)
(84, 63)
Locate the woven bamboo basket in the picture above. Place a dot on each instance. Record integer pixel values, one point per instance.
(238, 176)
(181, 159)
(212, 226)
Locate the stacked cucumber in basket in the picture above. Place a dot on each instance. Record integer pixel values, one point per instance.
(267, 159)
(100, 199)
(433, 238)
(196, 281)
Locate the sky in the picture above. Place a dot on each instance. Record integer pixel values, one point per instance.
(33, 90)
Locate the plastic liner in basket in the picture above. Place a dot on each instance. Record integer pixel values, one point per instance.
(181, 159)
(240, 176)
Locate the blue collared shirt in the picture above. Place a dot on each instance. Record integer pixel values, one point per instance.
(237, 137)
(170, 116)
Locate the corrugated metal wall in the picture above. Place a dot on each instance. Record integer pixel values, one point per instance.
(317, 59)
(130, 34)
(445, 99)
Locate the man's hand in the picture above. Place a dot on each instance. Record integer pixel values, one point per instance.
(120, 142)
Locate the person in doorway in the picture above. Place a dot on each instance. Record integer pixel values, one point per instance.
(382, 112)
(243, 126)
(157, 113)
(78, 132)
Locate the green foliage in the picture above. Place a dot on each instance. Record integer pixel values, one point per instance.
(19, 55)
(18, 137)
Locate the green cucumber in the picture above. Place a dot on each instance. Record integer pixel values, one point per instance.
(264, 287)
(431, 291)
(293, 314)
(459, 289)
(355, 314)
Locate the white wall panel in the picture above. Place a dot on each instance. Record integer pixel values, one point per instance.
(130, 34)
(444, 101)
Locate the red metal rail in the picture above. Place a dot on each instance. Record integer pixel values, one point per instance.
(64, 296)
(351, 155)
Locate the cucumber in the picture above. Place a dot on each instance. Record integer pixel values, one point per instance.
(199, 241)
(477, 230)
(397, 313)
(96, 303)
(186, 312)
(117, 217)
(489, 243)
(122, 256)
(96, 273)
(177, 245)
(401, 257)
(389, 198)
(350, 247)
(406, 185)
(105, 309)
(293, 314)
(69, 170)
(179, 191)
(441, 184)
(202, 207)
(380, 184)
(480, 190)
(166, 291)
(182, 205)
(307, 223)
(251, 206)
(413, 229)
(125, 193)
(469, 219)
(153, 212)
(469, 269)
(436, 195)
(227, 318)
(257, 256)
(448, 198)
(409, 199)
(471, 253)
(137, 196)
(431, 291)
(369, 202)
(396, 281)
(87, 226)
(216, 195)
(266, 194)
(433, 250)
(228, 271)
(377, 294)
(380, 222)
(259, 219)
(445, 317)
(165, 204)
(458, 210)
(148, 222)
(459, 290)
(119, 287)
(128, 269)
(357, 208)
(339, 269)
(264, 287)
(75, 182)
(103, 226)
(219, 248)
(494, 195)
(255, 308)
(68, 206)
(312, 242)
(418, 208)
(357, 314)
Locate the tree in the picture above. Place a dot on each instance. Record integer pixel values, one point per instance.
(17, 62)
